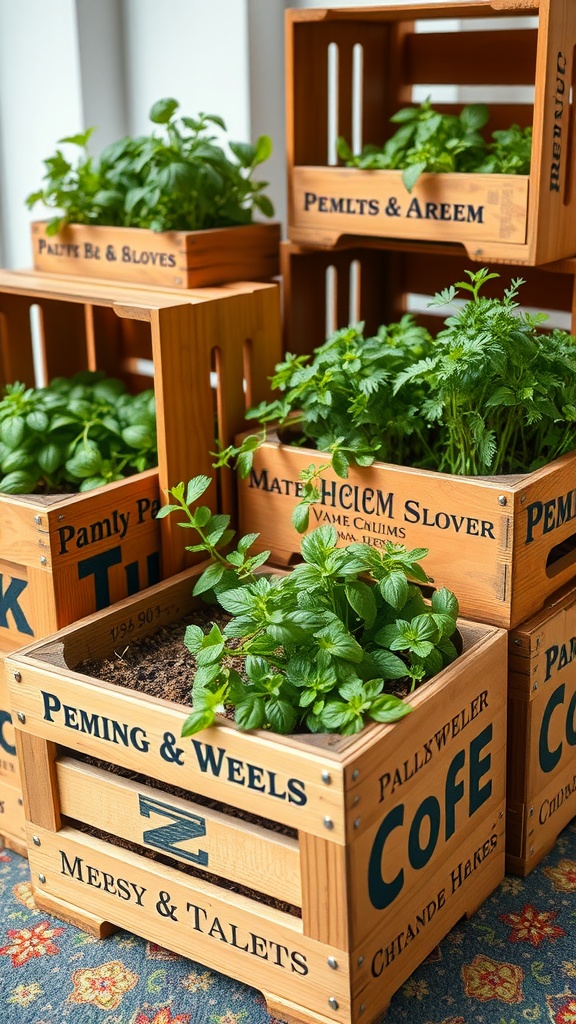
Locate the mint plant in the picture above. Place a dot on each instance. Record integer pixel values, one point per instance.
(321, 645)
(76, 434)
(428, 140)
(177, 178)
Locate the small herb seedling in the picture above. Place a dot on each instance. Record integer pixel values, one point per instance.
(321, 645)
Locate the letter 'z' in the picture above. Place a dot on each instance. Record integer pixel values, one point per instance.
(183, 826)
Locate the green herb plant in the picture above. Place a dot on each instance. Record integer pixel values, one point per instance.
(176, 178)
(428, 140)
(500, 394)
(76, 434)
(343, 402)
(491, 394)
(322, 644)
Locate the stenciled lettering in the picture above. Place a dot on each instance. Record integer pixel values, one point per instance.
(184, 825)
(221, 765)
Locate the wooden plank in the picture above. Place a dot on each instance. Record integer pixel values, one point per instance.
(460, 57)
(398, 504)
(39, 785)
(16, 353)
(188, 832)
(76, 916)
(504, 571)
(256, 944)
(477, 209)
(327, 893)
(168, 259)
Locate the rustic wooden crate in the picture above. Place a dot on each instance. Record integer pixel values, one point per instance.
(434, 783)
(515, 218)
(541, 786)
(65, 556)
(169, 259)
(502, 544)
(377, 282)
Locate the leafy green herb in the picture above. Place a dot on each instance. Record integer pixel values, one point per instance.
(490, 394)
(177, 179)
(428, 140)
(500, 395)
(75, 434)
(322, 645)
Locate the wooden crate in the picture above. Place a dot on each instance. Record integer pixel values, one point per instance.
(541, 786)
(502, 544)
(399, 831)
(65, 556)
(381, 59)
(169, 259)
(377, 282)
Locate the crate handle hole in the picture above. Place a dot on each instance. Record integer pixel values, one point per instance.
(561, 557)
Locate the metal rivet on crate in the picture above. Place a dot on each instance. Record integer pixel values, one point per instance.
(17, 677)
(355, 801)
(357, 823)
(60, 517)
(362, 1008)
(355, 774)
(328, 823)
(20, 801)
(522, 499)
(530, 812)
(326, 777)
(535, 687)
(502, 499)
(360, 961)
(42, 878)
(518, 642)
(43, 560)
(36, 840)
(38, 519)
(333, 1003)
(332, 963)
(21, 717)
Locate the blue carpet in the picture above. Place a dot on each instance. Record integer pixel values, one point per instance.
(513, 961)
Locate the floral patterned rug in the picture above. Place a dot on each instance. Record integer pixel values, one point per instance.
(514, 961)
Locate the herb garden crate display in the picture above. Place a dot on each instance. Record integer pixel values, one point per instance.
(399, 830)
(12, 823)
(65, 556)
(377, 282)
(541, 786)
(169, 259)
(380, 60)
(503, 545)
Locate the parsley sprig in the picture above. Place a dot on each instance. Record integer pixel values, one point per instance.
(323, 645)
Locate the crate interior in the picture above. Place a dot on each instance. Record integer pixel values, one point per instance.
(362, 66)
(326, 290)
(42, 338)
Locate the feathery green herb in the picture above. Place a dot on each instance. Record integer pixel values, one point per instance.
(490, 394)
(428, 140)
(179, 179)
(320, 645)
(75, 434)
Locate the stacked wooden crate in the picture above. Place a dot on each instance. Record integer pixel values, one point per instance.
(206, 353)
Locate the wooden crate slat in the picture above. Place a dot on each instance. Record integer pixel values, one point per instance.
(207, 839)
(311, 979)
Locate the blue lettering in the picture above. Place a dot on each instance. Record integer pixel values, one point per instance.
(9, 603)
(550, 758)
(184, 825)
